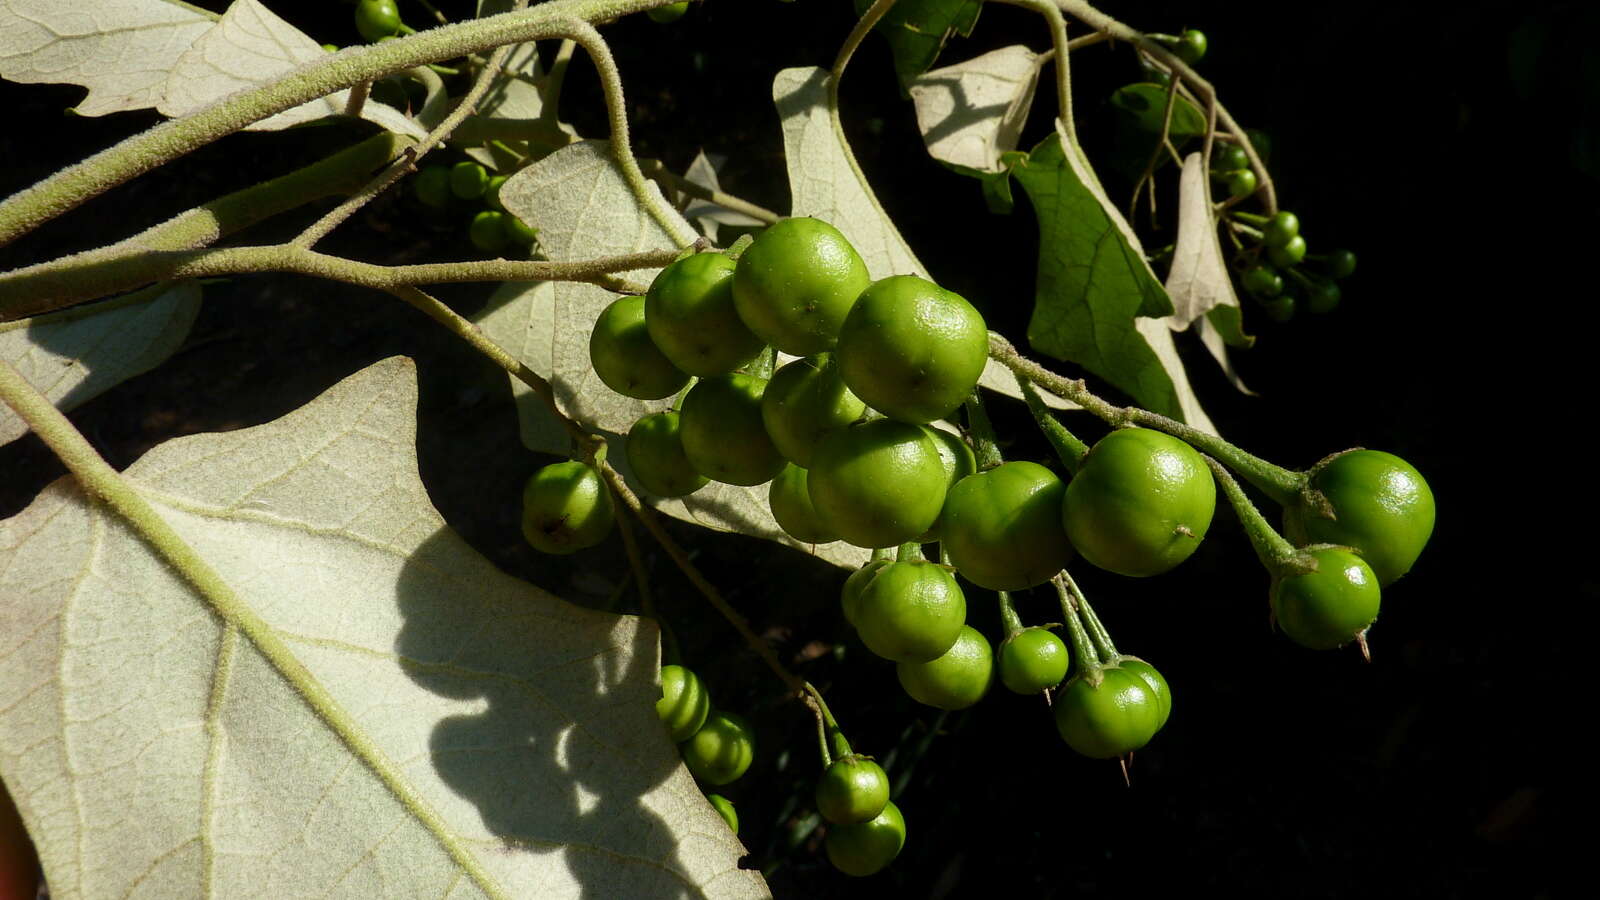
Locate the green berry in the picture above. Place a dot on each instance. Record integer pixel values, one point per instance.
(1282, 227)
(672, 12)
(790, 501)
(724, 808)
(1241, 183)
(431, 187)
(1191, 46)
(1381, 506)
(1341, 264)
(1290, 254)
(866, 848)
(1228, 158)
(566, 507)
(468, 180)
(721, 750)
(956, 680)
(1322, 297)
(487, 231)
(690, 312)
(1262, 281)
(1330, 607)
(377, 19)
(624, 357)
(911, 349)
(1140, 503)
(796, 282)
(1032, 661)
(655, 454)
(852, 789)
(684, 702)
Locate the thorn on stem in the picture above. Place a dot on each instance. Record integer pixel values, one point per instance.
(1361, 641)
(1125, 762)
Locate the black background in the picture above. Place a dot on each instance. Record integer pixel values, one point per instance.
(1435, 771)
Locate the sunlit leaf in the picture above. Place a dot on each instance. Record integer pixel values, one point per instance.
(121, 51)
(250, 47)
(77, 355)
(371, 709)
(972, 113)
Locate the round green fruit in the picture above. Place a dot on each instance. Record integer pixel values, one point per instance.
(1279, 309)
(1341, 264)
(1032, 660)
(956, 680)
(1227, 158)
(879, 483)
(721, 750)
(468, 180)
(566, 507)
(691, 316)
(1241, 183)
(723, 436)
(911, 349)
(377, 19)
(1330, 607)
(625, 358)
(1117, 717)
(655, 454)
(1381, 507)
(910, 611)
(431, 187)
(518, 232)
(1155, 681)
(1322, 297)
(1002, 528)
(487, 232)
(1283, 227)
(851, 790)
(684, 702)
(850, 594)
(805, 402)
(790, 501)
(866, 848)
(796, 282)
(672, 12)
(1262, 281)
(958, 461)
(1288, 255)
(1140, 503)
(1191, 46)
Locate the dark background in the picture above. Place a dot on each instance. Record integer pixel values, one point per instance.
(1399, 131)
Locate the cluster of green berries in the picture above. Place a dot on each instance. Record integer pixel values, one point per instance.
(1278, 282)
(468, 187)
(717, 746)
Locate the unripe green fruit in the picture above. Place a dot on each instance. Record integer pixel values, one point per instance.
(1341, 264)
(672, 12)
(1288, 255)
(1032, 660)
(491, 192)
(431, 187)
(866, 848)
(1191, 46)
(958, 462)
(486, 231)
(956, 680)
(805, 402)
(690, 313)
(1119, 716)
(879, 483)
(1382, 508)
(655, 453)
(910, 611)
(1279, 309)
(566, 507)
(796, 282)
(518, 232)
(1330, 607)
(852, 789)
(1002, 528)
(1140, 503)
(911, 349)
(1156, 682)
(377, 19)
(722, 432)
(1322, 297)
(1227, 158)
(721, 750)
(684, 702)
(625, 358)
(790, 501)
(1262, 281)
(1241, 183)
(1282, 227)
(468, 180)
(724, 808)
(850, 594)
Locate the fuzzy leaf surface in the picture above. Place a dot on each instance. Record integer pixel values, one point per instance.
(370, 709)
(973, 112)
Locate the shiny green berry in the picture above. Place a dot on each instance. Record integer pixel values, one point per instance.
(1330, 607)
(852, 789)
(684, 702)
(1380, 505)
(1032, 661)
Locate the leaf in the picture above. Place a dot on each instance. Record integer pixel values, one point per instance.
(824, 182)
(382, 713)
(917, 29)
(1159, 337)
(1145, 104)
(77, 355)
(583, 209)
(1094, 283)
(972, 113)
(120, 51)
(250, 47)
(1198, 280)
(710, 216)
(1217, 345)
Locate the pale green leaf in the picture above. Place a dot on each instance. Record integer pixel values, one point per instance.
(973, 112)
(1198, 282)
(77, 355)
(383, 714)
(583, 209)
(825, 182)
(121, 51)
(250, 47)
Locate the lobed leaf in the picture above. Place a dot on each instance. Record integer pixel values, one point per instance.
(77, 355)
(371, 708)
